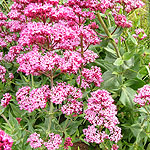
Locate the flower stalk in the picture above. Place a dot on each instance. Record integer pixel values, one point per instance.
(108, 34)
(51, 104)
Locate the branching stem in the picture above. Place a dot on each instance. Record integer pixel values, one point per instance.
(108, 34)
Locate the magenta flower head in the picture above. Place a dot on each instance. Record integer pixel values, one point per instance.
(6, 141)
(68, 143)
(35, 140)
(101, 112)
(2, 73)
(143, 96)
(5, 100)
(54, 142)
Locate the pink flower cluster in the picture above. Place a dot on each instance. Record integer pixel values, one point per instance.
(90, 76)
(122, 21)
(71, 62)
(3, 19)
(130, 5)
(114, 147)
(40, 10)
(6, 141)
(143, 96)
(72, 107)
(62, 91)
(8, 27)
(92, 134)
(13, 52)
(67, 143)
(35, 99)
(53, 2)
(103, 5)
(69, 93)
(6, 99)
(67, 37)
(54, 142)
(35, 63)
(11, 76)
(2, 73)
(140, 34)
(101, 112)
(35, 140)
(89, 56)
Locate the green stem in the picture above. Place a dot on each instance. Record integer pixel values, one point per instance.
(6, 6)
(147, 110)
(6, 120)
(126, 46)
(32, 80)
(108, 34)
(51, 104)
(82, 52)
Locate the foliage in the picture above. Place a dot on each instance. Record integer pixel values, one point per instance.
(60, 60)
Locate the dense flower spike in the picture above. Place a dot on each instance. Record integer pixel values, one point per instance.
(35, 99)
(92, 135)
(114, 147)
(103, 5)
(67, 37)
(102, 112)
(88, 56)
(13, 52)
(140, 34)
(34, 10)
(72, 107)
(62, 91)
(2, 73)
(35, 140)
(6, 141)
(71, 62)
(35, 63)
(67, 143)
(11, 76)
(130, 5)
(143, 96)
(6, 99)
(121, 21)
(91, 76)
(54, 142)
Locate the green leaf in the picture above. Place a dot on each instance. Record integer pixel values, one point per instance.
(148, 147)
(138, 132)
(118, 62)
(110, 50)
(147, 51)
(16, 110)
(127, 55)
(13, 121)
(135, 83)
(1, 2)
(111, 81)
(127, 96)
(73, 127)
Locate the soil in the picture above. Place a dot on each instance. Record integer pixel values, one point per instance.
(81, 145)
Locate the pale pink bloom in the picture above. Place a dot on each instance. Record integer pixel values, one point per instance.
(35, 140)
(6, 99)
(6, 141)
(143, 96)
(54, 142)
